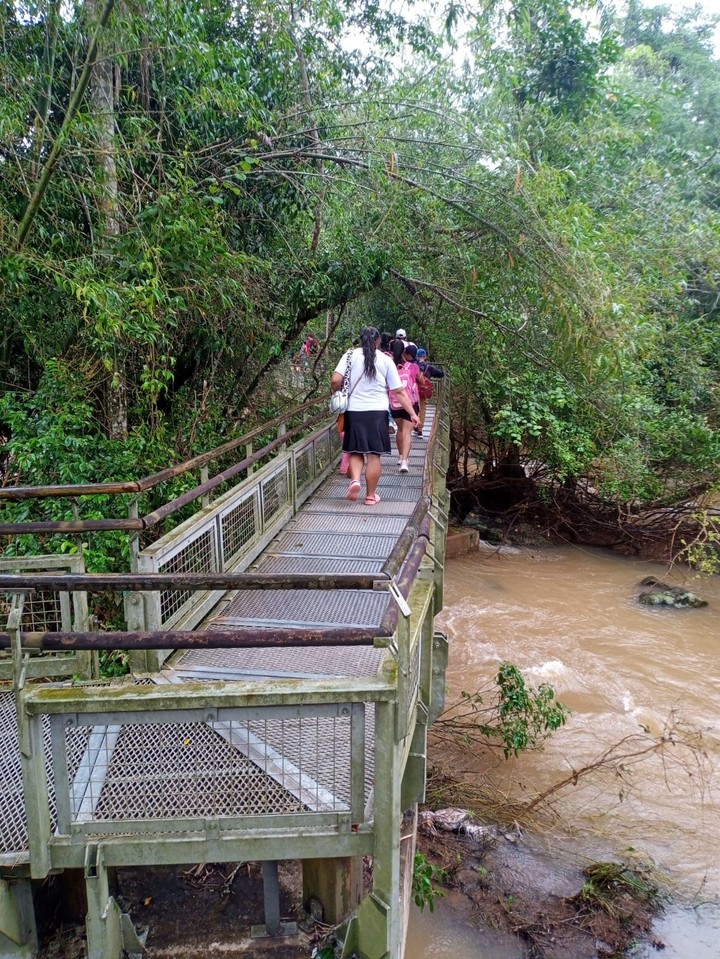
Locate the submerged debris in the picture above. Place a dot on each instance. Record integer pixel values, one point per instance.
(458, 821)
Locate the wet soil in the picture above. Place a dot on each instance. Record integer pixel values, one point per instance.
(207, 910)
(551, 908)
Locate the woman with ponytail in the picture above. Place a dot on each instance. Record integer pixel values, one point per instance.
(372, 376)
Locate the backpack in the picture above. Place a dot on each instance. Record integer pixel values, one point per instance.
(425, 387)
(404, 375)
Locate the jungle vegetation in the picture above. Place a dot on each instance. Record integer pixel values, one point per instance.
(531, 188)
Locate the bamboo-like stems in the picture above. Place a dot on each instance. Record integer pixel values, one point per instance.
(46, 173)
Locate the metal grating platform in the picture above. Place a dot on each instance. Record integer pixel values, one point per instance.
(395, 496)
(316, 564)
(388, 480)
(332, 523)
(337, 504)
(325, 661)
(297, 607)
(333, 545)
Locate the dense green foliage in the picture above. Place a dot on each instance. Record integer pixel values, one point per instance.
(542, 215)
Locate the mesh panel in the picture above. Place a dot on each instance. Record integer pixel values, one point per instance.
(338, 607)
(197, 557)
(322, 452)
(13, 830)
(413, 679)
(304, 468)
(319, 748)
(358, 522)
(275, 495)
(13, 821)
(42, 611)
(317, 564)
(229, 768)
(324, 661)
(335, 442)
(237, 528)
(304, 543)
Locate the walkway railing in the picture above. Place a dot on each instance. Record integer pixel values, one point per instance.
(234, 530)
(161, 770)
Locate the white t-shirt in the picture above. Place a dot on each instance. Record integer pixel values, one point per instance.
(365, 393)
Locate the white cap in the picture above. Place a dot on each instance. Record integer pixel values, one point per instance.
(401, 333)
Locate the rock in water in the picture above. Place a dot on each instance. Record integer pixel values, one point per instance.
(657, 593)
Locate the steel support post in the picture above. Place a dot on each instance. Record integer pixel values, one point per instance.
(413, 782)
(110, 932)
(271, 898)
(204, 477)
(32, 756)
(379, 925)
(148, 613)
(436, 705)
(18, 934)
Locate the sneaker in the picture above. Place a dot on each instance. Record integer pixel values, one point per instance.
(418, 432)
(404, 468)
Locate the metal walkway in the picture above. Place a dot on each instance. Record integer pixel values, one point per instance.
(258, 751)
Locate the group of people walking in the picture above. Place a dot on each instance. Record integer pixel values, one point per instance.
(383, 375)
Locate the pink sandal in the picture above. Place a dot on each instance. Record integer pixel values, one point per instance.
(372, 500)
(353, 490)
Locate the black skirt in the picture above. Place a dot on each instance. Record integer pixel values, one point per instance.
(366, 431)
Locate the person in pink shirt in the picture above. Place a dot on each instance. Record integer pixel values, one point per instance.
(408, 373)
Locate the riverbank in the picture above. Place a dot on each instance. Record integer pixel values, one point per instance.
(570, 617)
(536, 900)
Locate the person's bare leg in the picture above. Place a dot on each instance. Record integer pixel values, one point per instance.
(405, 440)
(355, 467)
(398, 437)
(372, 473)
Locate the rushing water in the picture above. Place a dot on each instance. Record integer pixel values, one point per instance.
(570, 617)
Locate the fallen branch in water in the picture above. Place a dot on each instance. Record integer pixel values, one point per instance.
(679, 745)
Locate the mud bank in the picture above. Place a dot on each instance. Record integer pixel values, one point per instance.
(542, 904)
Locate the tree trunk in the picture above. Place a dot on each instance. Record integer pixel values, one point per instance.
(102, 96)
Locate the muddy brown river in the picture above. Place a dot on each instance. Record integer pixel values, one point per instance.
(570, 617)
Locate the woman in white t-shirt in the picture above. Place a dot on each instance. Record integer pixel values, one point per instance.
(372, 374)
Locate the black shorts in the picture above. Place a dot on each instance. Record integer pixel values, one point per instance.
(402, 415)
(366, 431)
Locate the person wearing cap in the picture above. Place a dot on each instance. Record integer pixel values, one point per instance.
(429, 372)
(401, 335)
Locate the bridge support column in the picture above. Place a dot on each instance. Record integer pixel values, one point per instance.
(110, 932)
(18, 934)
(335, 883)
(379, 925)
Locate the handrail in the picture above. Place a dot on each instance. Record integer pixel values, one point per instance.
(152, 519)
(243, 638)
(140, 582)
(148, 482)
